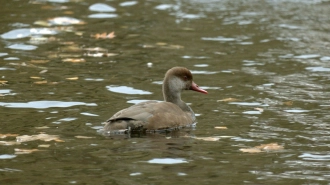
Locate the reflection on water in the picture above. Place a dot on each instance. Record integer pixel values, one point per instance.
(137, 101)
(252, 112)
(22, 47)
(88, 114)
(65, 21)
(248, 104)
(203, 72)
(220, 38)
(100, 7)
(318, 69)
(264, 63)
(25, 32)
(296, 111)
(102, 15)
(43, 104)
(64, 120)
(167, 161)
(126, 90)
(7, 156)
(313, 157)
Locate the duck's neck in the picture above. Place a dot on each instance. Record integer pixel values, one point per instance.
(172, 93)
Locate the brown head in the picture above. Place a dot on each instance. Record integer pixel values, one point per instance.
(178, 79)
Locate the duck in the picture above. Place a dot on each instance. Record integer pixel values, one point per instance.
(152, 115)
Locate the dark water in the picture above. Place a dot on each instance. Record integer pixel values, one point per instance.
(271, 56)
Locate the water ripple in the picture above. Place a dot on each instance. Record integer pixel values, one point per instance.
(167, 161)
(128, 3)
(100, 7)
(22, 47)
(126, 90)
(315, 157)
(103, 15)
(43, 104)
(27, 32)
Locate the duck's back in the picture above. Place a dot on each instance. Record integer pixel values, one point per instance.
(150, 115)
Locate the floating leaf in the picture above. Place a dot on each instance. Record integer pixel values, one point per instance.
(25, 151)
(36, 77)
(104, 35)
(208, 138)
(84, 137)
(259, 109)
(3, 82)
(73, 78)
(228, 100)
(250, 150)
(74, 60)
(42, 23)
(222, 128)
(8, 135)
(161, 43)
(41, 82)
(43, 137)
(79, 33)
(43, 71)
(262, 148)
(270, 146)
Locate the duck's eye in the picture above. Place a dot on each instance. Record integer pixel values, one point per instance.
(185, 78)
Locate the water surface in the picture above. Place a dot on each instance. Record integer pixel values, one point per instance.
(67, 66)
